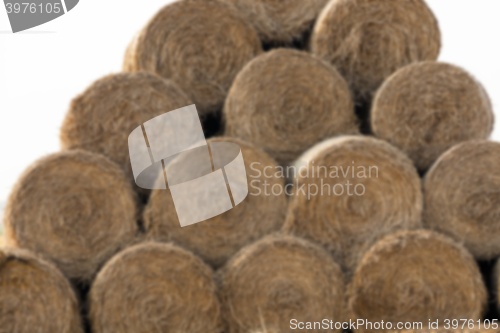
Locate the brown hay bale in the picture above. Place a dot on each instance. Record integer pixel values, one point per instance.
(280, 21)
(415, 276)
(35, 296)
(426, 108)
(385, 196)
(286, 101)
(103, 116)
(462, 198)
(75, 208)
(218, 238)
(154, 287)
(368, 40)
(278, 279)
(200, 44)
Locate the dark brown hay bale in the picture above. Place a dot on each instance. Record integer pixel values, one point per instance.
(285, 101)
(218, 238)
(462, 198)
(426, 108)
(385, 196)
(103, 116)
(35, 296)
(154, 287)
(199, 44)
(75, 208)
(280, 21)
(415, 276)
(277, 279)
(368, 40)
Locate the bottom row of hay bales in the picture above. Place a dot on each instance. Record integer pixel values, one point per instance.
(412, 276)
(358, 257)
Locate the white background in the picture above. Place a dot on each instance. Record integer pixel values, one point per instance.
(42, 69)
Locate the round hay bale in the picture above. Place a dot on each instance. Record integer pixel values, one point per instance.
(278, 279)
(103, 116)
(200, 44)
(426, 108)
(285, 101)
(35, 296)
(414, 276)
(154, 287)
(280, 21)
(368, 40)
(462, 198)
(75, 208)
(218, 238)
(351, 191)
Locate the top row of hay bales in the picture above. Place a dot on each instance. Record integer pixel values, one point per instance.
(286, 101)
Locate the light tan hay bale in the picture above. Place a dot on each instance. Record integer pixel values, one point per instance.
(218, 238)
(277, 279)
(75, 208)
(35, 296)
(199, 44)
(462, 197)
(387, 196)
(103, 116)
(154, 287)
(280, 21)
(415, 276)
(285, 101)
(426, 108)
(368, 40)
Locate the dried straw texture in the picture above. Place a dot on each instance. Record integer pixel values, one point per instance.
(462, 198)
(280, 21)
(416, 276)
(218, 238)
(365, 189)
(154, 287)
(75, 208)
(103, 116)
(277, 279)
(199, 44)
(426, 108)
(286, 101)
(368, 40)
(34, 296)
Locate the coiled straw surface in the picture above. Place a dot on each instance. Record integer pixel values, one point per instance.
(75, 208)
(368, 40)
(280, 21)
(462, 197)
(35, 296)
(277, 279)
(350, 192)
(286, 101)
(427, 107)
(415, 276)
(200, 44)
(103, 116)
(154, 287)
(218, 238)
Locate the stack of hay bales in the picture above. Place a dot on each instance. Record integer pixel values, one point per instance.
(349, 241)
